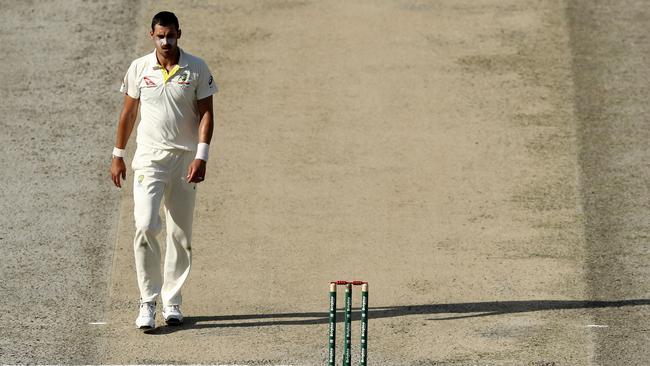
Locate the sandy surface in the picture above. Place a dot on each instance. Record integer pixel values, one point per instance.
(421, 147)
(59, 213)
(611, 69)
(480, 163)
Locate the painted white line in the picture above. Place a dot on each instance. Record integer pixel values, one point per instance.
(97, 323)
(597, 326)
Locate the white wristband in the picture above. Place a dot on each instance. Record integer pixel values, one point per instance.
(202, 151)
(120, 153)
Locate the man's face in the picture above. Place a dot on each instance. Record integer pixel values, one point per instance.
(165, 39)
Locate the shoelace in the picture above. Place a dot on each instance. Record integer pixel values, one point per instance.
(148, 307)
(173, 307)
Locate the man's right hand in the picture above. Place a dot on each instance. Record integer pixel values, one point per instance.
(118, 169)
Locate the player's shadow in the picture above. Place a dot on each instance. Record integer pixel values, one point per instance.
(439, 312)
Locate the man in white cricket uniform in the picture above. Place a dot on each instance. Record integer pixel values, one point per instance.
(174, 92)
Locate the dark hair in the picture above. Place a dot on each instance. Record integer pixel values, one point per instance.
(164, 19)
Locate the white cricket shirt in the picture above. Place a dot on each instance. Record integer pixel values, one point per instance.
(169, 116)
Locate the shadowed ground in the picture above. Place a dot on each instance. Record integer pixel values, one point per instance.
(466, 310)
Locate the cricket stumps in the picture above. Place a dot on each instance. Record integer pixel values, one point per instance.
(347, 340)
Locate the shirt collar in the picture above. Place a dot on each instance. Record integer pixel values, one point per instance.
(182, 60)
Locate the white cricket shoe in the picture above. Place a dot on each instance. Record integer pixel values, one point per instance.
(147, 317)
(172, 314)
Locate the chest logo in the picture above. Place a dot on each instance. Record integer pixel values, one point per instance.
(149, 82)
(183, 78)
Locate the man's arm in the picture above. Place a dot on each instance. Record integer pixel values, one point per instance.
(196, 170)
(124, 128)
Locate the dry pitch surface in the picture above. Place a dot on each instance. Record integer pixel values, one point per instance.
(478, 162)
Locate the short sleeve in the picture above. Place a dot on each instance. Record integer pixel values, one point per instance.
(207, 86)
(130, 83)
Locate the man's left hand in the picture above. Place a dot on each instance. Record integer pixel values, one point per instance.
(196, 171)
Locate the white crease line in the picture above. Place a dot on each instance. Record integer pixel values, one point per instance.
(597, 326)
(97, 323)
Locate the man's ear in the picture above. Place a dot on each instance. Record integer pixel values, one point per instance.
(151, 34)
(179, 34)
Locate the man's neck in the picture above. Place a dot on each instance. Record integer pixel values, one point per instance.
(168, 63)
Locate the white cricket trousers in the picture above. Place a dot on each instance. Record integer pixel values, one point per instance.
(158, 175)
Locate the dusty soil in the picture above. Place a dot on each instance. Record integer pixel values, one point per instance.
(427, 148)
(611, 69)
(59, 214)
(479, 163)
